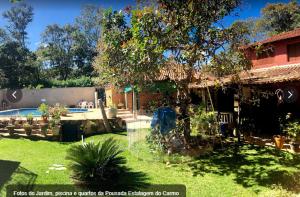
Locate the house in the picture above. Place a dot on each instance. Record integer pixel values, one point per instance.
(259, 100)
(156, 95)
(263, 95)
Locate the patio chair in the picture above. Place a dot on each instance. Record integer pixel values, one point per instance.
(225, 120)
(225, 117)
(84, 104)
(90, 105)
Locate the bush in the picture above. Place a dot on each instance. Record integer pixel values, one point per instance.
(292, 129)
(169, 143)
(156, 141)
(77, 82)
(44, 109)
(203, 123)
(89, 127)
(95, 164)
(58, 111)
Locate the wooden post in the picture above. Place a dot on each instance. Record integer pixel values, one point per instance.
(126, 101)
(96, 99)
(134, 110)
(105, 120)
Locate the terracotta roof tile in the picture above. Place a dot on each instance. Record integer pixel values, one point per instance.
(175, 71)
(278, 37)
(274, 74)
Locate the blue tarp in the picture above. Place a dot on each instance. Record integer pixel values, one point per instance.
(165, 119)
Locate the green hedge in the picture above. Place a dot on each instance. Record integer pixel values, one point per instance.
(78, 82)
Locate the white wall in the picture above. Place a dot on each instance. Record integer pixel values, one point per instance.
(64, 96)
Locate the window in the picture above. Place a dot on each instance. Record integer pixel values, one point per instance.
(265, 53)
(293, 52)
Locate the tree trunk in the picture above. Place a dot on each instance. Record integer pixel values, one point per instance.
(183, 99)
(105, 120)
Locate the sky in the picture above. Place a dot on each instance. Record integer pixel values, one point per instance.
(47, 12)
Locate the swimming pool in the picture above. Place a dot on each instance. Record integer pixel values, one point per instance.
(34, 111)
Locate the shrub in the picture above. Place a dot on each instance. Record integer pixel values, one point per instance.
(58, 111)
(95, 164)
(203, 122)
(171, 142)
(156, 141)
(292, 129)
(77, 82)
(29, 118)
(44, 109)
(89, 127)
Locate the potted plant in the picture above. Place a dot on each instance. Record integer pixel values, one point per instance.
(12, 120)
(121, 105)
(11, 129)
(44, 109)
(44, 128)
(28, 128)
(54, 127)
(279, 141)
(29, 119)
(63, 111)
(111, 112)
(58, 111)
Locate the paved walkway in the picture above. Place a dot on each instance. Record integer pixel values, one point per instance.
(141, 122)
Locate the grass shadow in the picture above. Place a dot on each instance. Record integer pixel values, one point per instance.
(252, 166)
(132, 180)
(127, 180)
(21, 177)
(7, 168)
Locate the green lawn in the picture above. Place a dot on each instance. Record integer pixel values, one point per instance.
(246, 171)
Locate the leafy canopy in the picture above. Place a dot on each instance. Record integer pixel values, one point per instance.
(280, 17)
(18, 18)
(184, 31)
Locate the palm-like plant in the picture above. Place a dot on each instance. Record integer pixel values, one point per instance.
(96, 164)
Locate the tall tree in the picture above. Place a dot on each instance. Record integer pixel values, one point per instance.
(19, 17)
(4, 37)
(89, 24)
(57, 47)
(17, 65)
(280, 17)
(184, 32)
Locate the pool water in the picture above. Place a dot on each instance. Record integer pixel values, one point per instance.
(34, 111)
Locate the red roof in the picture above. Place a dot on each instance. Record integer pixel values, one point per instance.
(275, 74)
(175, 71)
(278, 37)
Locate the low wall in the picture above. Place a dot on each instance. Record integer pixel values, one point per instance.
(64, 96)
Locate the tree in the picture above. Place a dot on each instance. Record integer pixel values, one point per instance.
(280, 17)
(18, 19)
(119, 55)
(17, 65)
(57, 49)
(89, 25)
(3, 36)
(68, 51)
(184, 32)
(232, 60)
